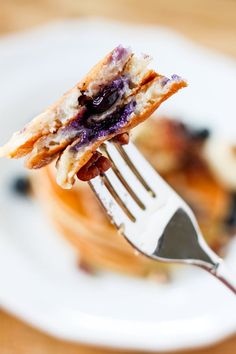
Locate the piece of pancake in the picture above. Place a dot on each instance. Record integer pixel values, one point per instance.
(119, 93)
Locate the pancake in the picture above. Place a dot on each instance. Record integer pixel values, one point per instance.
(119, 93)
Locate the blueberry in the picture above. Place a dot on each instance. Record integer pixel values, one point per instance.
(231, 218)
(101, 103)
(104, 100)
(106, 97)
(113, 122)
(199, 134)
(21, 185)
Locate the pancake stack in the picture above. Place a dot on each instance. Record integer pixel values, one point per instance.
(179, 154)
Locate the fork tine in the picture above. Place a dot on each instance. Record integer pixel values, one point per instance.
(121, 192)
(169, 233)
(120, 176)
(124, 172)
(138, 162)
(112, 208)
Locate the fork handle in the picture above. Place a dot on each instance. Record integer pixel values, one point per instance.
(222, 273)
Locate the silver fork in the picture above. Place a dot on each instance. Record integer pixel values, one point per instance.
(151, 215)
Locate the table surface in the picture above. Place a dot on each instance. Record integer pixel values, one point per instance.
(210, 22)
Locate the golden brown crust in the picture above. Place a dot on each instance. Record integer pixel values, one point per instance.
(43, 157)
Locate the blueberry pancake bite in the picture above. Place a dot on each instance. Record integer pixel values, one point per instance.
(116, 95)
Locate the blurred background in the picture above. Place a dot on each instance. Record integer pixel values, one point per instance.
(211, 23)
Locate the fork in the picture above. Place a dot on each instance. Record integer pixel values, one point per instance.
(152, 217)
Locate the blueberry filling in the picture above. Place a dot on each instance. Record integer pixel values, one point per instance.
(120, 53)
(114, 121)
(93, 123)
(106, 98)
(95, 130)
(104, 101)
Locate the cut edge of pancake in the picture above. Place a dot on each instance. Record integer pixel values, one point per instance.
(66, 108)
(148, 100)
(51, 144)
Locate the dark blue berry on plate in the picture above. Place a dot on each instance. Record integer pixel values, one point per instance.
(21, 185)
(200, 134)
(231, 218)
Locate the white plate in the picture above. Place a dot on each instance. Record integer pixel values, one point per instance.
(39, 280)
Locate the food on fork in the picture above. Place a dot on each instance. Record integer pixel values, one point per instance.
(117, 94)
(99, 164)
(178, 153)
